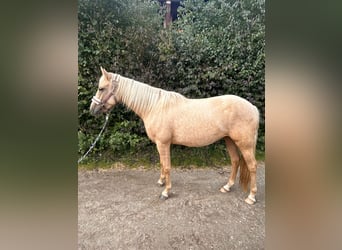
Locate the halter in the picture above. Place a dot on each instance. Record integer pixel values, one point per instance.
(97, 101)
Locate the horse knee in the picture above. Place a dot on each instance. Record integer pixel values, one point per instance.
(252, 167)
(252, 170)
(235, 162)
(167, 171)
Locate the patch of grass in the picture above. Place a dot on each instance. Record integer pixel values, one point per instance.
(90, 165)
(209, 156)
(183, 157)
(260, 155)
(147, 158)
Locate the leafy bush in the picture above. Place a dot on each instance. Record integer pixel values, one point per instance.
(120, 36)
(217, 48)
(214, 48)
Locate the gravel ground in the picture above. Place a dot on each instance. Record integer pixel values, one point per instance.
(120, 209)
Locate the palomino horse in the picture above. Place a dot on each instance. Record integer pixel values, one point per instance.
(171, 118)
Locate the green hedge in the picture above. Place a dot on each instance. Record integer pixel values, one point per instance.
(214, 48)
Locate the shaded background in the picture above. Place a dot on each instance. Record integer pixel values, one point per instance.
(38, 185)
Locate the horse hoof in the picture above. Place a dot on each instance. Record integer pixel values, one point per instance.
(225, 189)
(250, 201)
(163, 198)
(160, 183)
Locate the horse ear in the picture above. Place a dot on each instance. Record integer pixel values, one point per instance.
(105, 73)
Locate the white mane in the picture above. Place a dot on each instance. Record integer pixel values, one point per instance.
(143, 98)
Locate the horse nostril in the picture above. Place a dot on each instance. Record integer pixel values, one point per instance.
(95, 110)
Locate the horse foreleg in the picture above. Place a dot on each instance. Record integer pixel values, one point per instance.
(234, 159)
(165, 160)
(161, 180)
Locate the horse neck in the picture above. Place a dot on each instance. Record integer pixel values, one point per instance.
(138, 97)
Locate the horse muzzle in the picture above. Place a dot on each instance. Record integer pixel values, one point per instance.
(96, 106)
(96, 100)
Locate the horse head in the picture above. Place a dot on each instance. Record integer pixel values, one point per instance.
(105, 98)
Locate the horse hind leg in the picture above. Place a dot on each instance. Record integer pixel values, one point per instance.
(234, 159)
(250, 176)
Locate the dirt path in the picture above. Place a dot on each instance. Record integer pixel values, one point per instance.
(120, 209)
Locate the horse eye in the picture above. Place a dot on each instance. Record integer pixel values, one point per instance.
(100, 89)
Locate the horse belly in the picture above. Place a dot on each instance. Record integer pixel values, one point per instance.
(196, 131)
(194, 140)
